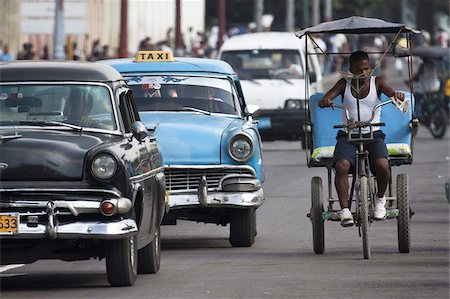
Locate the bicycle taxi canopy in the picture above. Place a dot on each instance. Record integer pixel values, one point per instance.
(321, 135)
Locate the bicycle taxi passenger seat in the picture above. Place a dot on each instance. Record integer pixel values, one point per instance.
(397, 129)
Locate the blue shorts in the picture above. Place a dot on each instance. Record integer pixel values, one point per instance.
(347, 150)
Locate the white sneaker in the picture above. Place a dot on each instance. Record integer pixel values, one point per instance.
(346, 218)
(379, 212)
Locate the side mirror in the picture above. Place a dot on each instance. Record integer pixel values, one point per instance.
(139, 131)
(252, 110)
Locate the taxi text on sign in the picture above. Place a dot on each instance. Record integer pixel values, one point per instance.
(155, 56)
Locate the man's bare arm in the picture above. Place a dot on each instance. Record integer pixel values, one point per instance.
(336, 90)
(384, 87)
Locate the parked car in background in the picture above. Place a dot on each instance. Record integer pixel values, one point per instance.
(274, 76)
(207, 135)
(81, 177)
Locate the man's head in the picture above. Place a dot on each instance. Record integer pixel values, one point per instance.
(287, 61)
(359, 63)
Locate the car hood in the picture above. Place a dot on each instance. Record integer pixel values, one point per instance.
(272, 94)
(44, 155)
(188, 138)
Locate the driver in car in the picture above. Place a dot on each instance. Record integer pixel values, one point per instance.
(288, 67)
(368, 90)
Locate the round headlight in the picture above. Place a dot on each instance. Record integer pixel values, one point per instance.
(104, 166)
(241, 148)
(294, 104)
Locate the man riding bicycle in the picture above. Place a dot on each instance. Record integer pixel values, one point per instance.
(367, 90)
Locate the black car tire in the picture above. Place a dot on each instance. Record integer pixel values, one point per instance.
(149, 257)
(121, 261)
(242, 227)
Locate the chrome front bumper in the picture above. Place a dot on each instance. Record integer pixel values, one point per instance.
(78, 230)
(31, 225)
(229, 190)
(217, 199)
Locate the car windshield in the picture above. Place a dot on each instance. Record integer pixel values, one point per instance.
(85, 106)
(180, 93)
(265, 64)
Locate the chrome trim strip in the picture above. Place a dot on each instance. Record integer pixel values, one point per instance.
(30, 190)
(211, 166)
(144, 176)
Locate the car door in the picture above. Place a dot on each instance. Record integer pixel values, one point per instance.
(153, 163)
(140, 155)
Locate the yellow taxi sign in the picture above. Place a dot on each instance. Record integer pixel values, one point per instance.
(153, 56)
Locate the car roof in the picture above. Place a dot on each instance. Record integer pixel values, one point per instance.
(44, 71)
(263, 40)
(180, 64)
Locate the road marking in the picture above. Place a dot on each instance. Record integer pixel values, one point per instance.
(9, 267)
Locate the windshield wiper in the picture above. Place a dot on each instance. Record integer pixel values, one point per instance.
(47, 123)
(196, 110)
(15, 136)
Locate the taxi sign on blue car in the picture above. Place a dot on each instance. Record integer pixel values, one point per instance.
(153, 56)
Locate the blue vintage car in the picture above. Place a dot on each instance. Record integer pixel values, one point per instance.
(207, 135)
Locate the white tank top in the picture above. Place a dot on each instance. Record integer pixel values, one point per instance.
(365, 106)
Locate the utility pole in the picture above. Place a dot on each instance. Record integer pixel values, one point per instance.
(123, 37)
(316, 12)
(222, 23)
(290, 15)
(258, 13)
(58, 31)
(178, 39)
(328, 15)
(306, 13)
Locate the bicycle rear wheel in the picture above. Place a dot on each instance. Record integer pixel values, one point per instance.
(363, 195)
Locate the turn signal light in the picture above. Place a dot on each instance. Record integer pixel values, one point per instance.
(107, 208)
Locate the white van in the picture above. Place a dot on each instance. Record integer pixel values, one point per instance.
(271, 68)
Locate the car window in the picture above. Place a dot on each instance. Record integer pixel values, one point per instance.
(175, 93)
(88, 106)
(265, 64)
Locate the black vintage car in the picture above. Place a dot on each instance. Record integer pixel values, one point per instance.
(80, 175)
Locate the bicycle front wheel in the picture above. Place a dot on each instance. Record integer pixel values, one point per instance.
(403, 218)
(363, 195)
(316, 215)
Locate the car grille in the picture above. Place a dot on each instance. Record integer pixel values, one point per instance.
(187, 179)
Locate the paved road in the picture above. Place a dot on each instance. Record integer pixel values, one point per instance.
(198, 262)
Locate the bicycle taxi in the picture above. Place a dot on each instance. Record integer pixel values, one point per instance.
(397, 123)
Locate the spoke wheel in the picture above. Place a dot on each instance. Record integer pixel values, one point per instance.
(149, 257)
(316, 215)
(121, 261)
(363, 195)
(403, 218)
